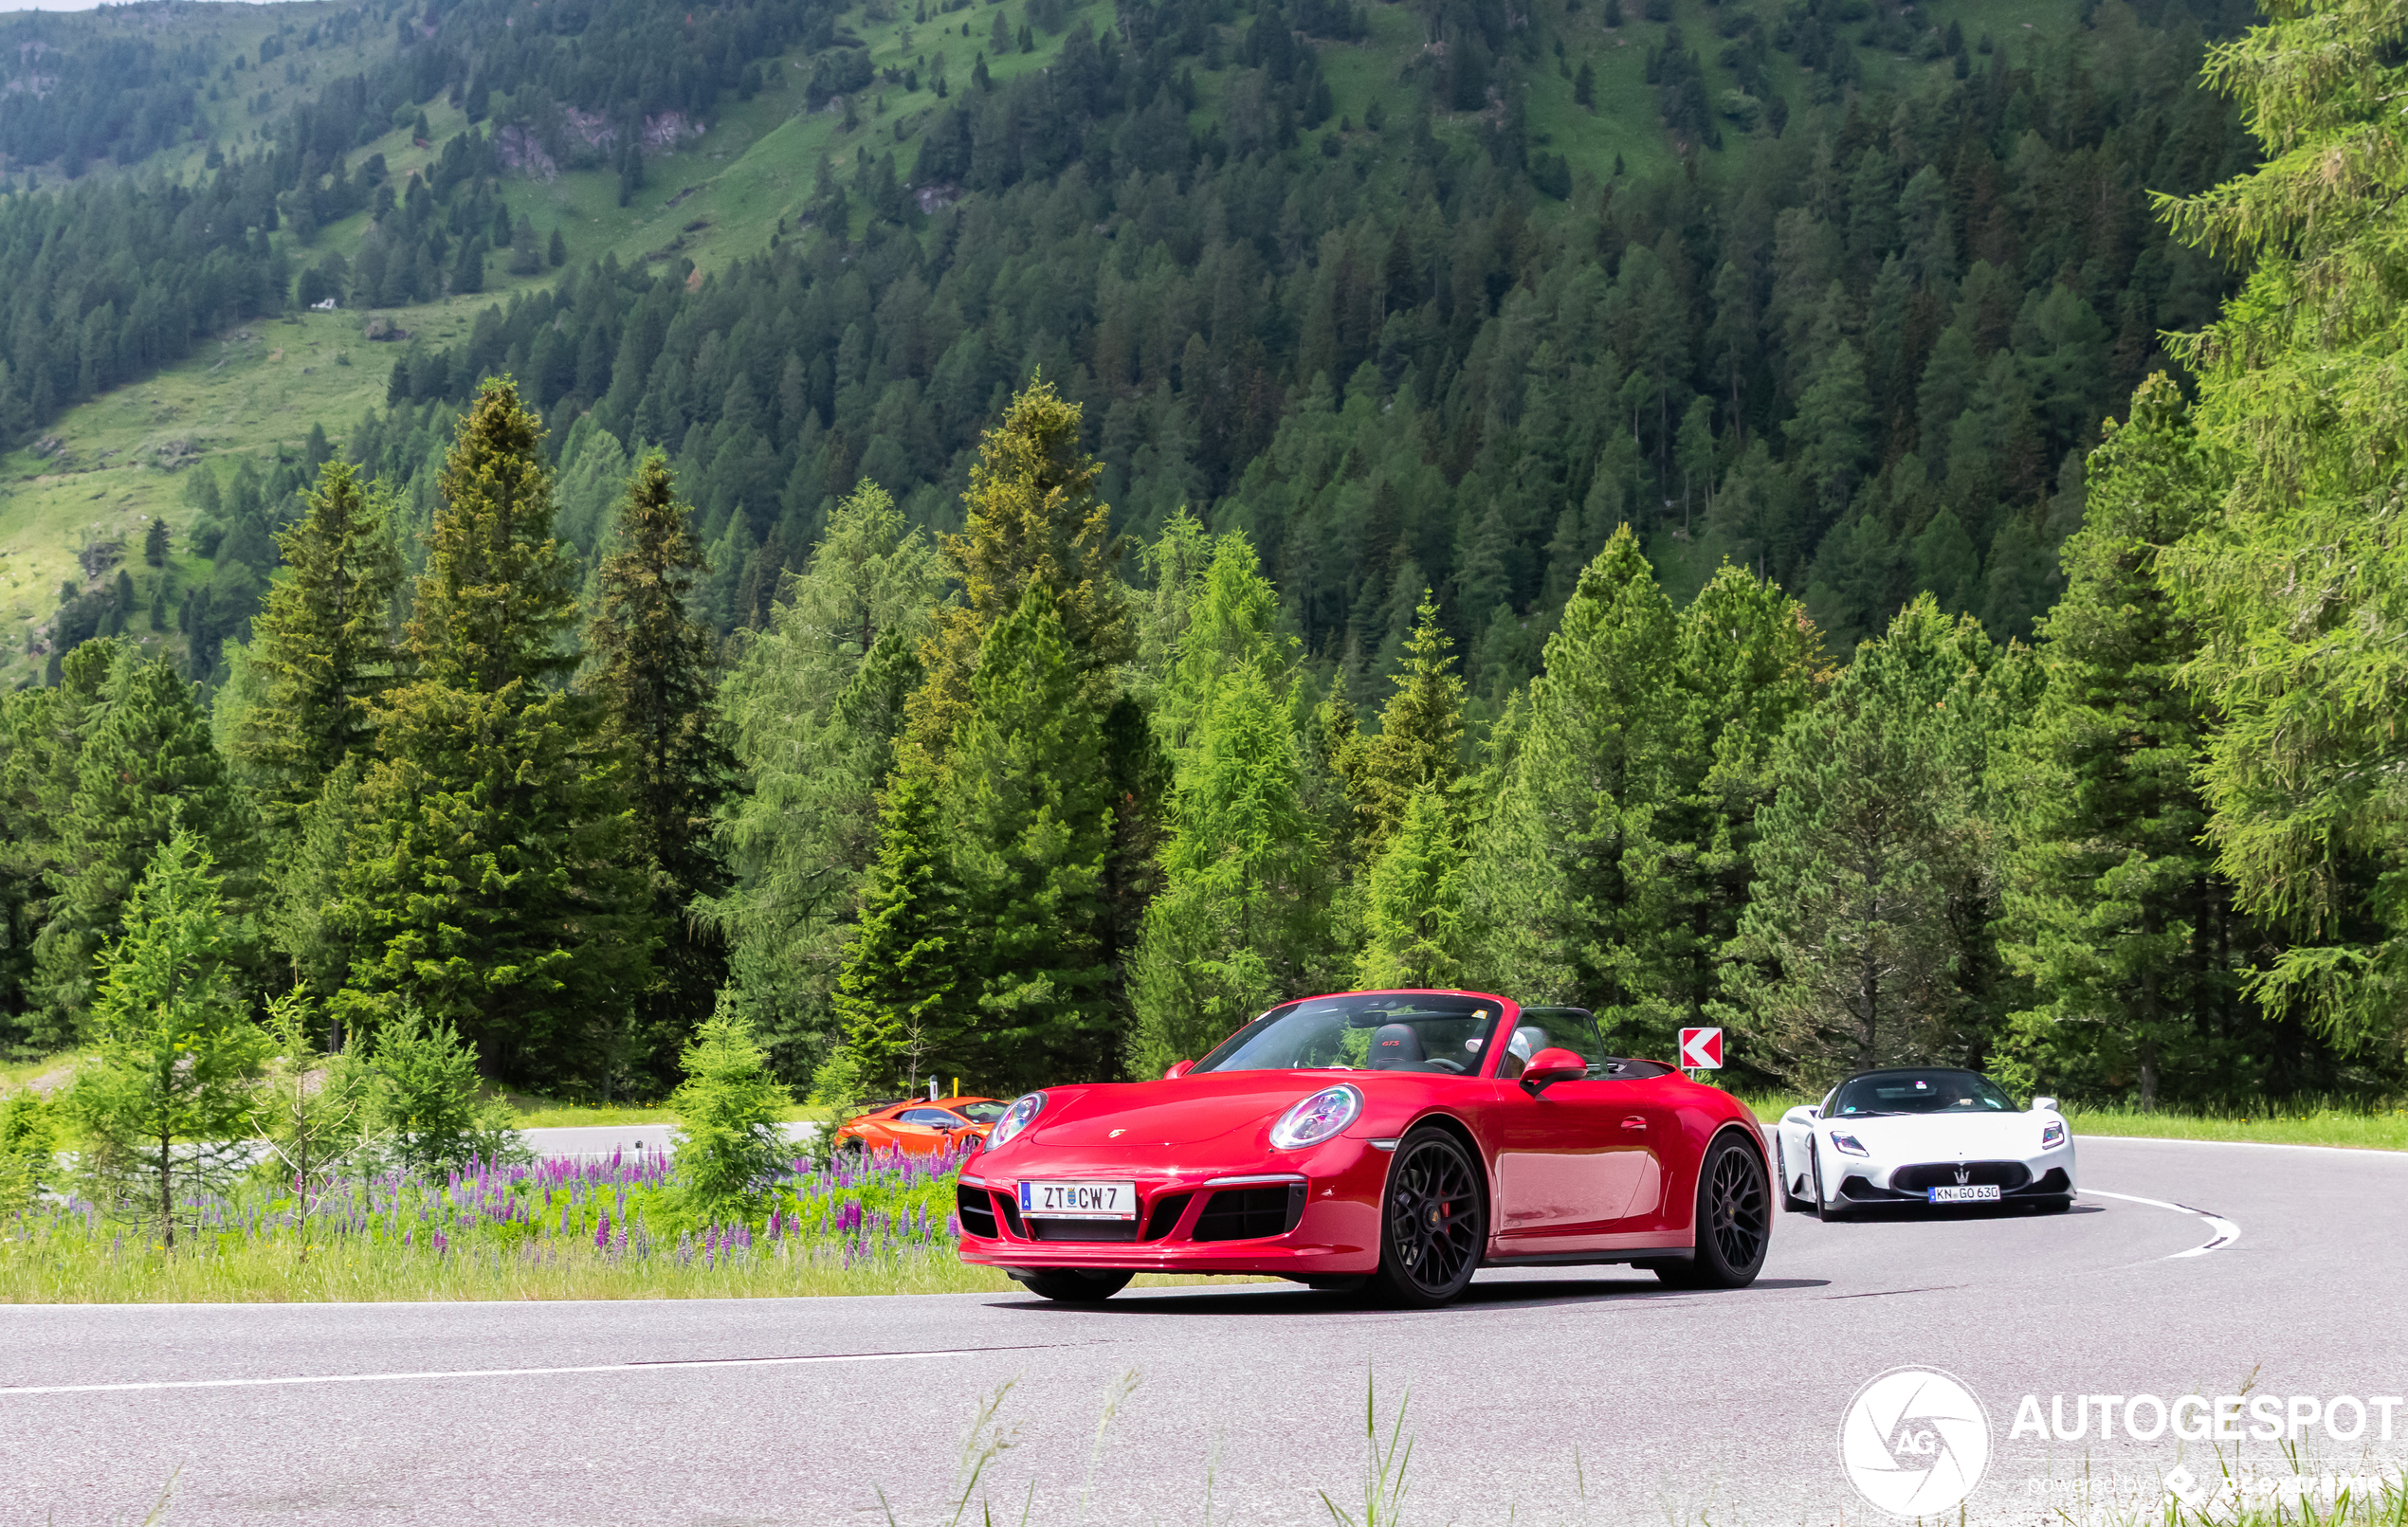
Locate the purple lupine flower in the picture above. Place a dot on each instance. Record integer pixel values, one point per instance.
(602, 1233)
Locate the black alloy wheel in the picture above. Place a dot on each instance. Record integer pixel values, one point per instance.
(1074, 1285)
(1433, 1225)
(1734, 1220)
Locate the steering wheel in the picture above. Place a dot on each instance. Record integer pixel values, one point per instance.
(1456, 1066)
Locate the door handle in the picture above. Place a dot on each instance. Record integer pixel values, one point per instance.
(1633, 1124)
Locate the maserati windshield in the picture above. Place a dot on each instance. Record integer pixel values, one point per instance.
(1919, 1092)
(1364, 1031)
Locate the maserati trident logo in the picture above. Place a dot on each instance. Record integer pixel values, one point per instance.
(1914, 1442)
(1964, 1175)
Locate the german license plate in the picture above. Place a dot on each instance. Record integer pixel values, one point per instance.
(1079, 1200)
(1978, 1193)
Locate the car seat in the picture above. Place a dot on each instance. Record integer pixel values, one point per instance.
(1394, 1046)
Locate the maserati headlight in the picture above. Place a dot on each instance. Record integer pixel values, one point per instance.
(2052, 1135)
(1022, 1113)
(1317, 1118)
(1850, 1144)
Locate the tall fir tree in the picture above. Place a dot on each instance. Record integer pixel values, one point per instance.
(1413, 900)
(147, 764)
(654, 676)
(1419, 743)
(1242, 912)
(2300, 585)
(323, 645)
(497, 885)
(1566, 897)
(1856, 951)
(1032, 519)
(1028, 816)
(899, 1000)
(2114, 907)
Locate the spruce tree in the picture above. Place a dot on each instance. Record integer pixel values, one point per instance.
(1032, 519)
(1413, 900)
(146, 764)
(323, 644)
(163, 1106)
(1419, 743)
(1567, 897)
(496, 884)
(899, 1002)
(1856, 951)
(2114, 907)
(655, 681)
(1242, 912)
(1030, 818)
(2300, 583)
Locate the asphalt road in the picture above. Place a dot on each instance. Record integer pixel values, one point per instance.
(1542, 1398)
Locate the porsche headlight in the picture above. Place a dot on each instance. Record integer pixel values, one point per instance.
(2052, 1135)
(1850, 1144)
(1022, 1113)
(1317, 1118)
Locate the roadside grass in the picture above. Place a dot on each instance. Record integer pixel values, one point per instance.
(550, 1229)
(2299, 1121)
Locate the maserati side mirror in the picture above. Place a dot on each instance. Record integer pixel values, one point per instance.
(1177, 1069)
(1550, 1067)
(2044, 1105)
(1814, 1113)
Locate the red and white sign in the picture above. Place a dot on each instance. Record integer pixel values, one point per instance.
(1701, 1049)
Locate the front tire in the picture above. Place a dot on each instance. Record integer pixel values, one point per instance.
(1734, 1220)
(1433, 1224)
(1073, 1285)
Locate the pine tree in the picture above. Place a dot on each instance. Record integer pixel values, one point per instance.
(1566, 895)
(899, 1002)
(1032, 519)
(496, 884)
(2299, 585)
(1413, 910)
(1419, 743)
(729, 1143)
(2115, 907)
(1241, 912)
(1030, 819)
(323, 645)
(146, 764)
(1856, 953)
(163, 1105)
(655, 681)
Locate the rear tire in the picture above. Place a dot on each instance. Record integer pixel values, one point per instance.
(1433, 1226)
(1734, 1220)
(1791, 1202)
(1073, 1285)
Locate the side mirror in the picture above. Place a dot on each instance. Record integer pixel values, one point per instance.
(2044, 1105)
(1550, 1067)
(1815, 1113)
(1177, 1069)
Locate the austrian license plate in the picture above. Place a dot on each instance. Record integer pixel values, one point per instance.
(1079, 1200)
(1978, 1193)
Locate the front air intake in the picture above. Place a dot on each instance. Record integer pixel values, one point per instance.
(976, 1209)
(1250, 1213)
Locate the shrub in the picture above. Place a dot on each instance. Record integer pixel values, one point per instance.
(26, 1161)
(423, 1099)
(728, 1141)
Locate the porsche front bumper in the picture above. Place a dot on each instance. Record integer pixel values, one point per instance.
(1315, 1217)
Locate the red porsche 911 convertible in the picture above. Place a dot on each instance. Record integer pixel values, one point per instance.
(1406, 1138)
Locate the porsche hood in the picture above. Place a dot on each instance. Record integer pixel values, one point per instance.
(1188, 1111)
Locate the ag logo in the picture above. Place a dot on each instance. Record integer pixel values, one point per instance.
(1914, 1442)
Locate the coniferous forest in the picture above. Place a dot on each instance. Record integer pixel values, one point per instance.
(1910, 575)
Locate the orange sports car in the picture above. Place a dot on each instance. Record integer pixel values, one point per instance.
(919, 1126)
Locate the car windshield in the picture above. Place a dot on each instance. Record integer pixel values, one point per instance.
(984, 1112)
(1920, 1092)
(1364, 1031)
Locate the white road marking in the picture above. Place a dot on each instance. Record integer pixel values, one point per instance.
(2226, 1231)
(510, 1372)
